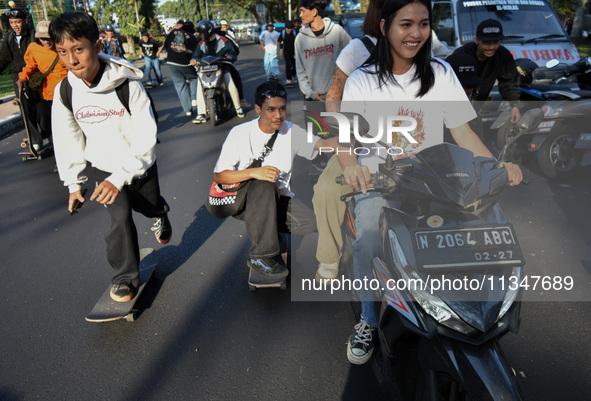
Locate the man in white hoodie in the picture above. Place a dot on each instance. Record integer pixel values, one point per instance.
(317, 47)
(91, 124)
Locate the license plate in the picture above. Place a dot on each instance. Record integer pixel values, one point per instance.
(467, 248)
(546, 124)
(583, 141)
(208, 68)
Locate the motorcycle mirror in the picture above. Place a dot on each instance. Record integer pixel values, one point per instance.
(531, 119)
(552, 63)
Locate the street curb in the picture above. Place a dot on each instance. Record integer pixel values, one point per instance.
(10, 124)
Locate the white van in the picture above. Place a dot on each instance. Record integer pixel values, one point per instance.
(531, 28)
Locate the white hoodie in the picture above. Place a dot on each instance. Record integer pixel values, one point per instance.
(101, 131)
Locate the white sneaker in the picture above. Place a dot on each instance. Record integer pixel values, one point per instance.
(194, 102)
(240, 113)
(327, 272)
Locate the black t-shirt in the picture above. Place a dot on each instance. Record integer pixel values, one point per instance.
(180, 46)
(150, 48)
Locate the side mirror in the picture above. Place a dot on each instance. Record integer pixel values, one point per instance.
(552, 63)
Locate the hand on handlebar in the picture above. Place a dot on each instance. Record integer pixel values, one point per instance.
(358, 177)
(514, 174)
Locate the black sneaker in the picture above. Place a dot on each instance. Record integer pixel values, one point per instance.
(270, 267)
(361, 343)
(121, 292)
(162, 229)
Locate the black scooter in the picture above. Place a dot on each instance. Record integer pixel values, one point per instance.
(448, 278)
(210, 71)
(561, 137)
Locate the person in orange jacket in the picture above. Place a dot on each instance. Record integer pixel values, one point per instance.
(40, 57)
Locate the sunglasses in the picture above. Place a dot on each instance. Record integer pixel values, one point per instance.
(15, 13)
(273, 93)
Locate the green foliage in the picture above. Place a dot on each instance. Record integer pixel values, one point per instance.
(565, 7)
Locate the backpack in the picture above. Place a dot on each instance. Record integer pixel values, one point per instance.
(122, 92)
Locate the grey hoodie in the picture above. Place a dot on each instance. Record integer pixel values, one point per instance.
(316, 57)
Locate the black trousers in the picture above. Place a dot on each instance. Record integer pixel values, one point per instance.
(31, 111)
(143, 196)
(290, 68)
(267, 214)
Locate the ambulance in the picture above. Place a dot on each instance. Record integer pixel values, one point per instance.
(531, 28)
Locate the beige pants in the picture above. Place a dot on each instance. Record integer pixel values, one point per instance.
(330, 212)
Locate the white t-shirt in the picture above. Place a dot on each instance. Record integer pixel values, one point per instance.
(269, 40)
(354, 55)
(446, 102)
(246, 142)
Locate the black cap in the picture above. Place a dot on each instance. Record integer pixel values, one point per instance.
(464, 65)
(490, 29)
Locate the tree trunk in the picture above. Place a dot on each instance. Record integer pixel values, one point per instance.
(577, 31)
(363, 4)
(130, 45)
(337, 7)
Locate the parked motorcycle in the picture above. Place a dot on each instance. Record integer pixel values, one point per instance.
(210, 71)
(562, 138)
(439, 342)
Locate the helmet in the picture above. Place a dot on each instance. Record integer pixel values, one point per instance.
(224, 22)
(189, 27)
(109, 28)
(526, 68)
(205, 27)
(216, 24)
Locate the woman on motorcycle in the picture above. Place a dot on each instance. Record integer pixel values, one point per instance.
(401, 69)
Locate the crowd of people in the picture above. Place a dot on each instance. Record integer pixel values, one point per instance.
(394, 61)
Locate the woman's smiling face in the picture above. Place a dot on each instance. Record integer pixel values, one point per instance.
(408, 32)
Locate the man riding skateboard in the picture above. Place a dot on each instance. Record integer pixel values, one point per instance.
(119, 144)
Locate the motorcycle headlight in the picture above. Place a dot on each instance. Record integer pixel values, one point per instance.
(513, 289)
(421, 292)
(551, 112)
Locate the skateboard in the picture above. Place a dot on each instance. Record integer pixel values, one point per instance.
(149, 85)
(107, 310)
(257, 280)
(291, 85)
(32, 154)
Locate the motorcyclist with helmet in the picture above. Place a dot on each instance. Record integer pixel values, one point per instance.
(111, 44)
(214, 45)
(218, 27)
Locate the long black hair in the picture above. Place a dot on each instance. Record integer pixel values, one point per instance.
(381, 57)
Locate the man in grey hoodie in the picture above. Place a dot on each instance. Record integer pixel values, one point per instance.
(317, 47)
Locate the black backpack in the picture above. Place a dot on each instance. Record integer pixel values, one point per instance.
(122, 92)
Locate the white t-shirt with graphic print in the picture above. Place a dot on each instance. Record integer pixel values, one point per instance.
(446, 103)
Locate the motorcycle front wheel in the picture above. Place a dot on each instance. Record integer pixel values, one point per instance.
(557, 155)
(213, 112)
(504, 135)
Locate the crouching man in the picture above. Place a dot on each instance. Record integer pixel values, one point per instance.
(271, 207)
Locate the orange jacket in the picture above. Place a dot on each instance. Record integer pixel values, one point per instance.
(39, 58)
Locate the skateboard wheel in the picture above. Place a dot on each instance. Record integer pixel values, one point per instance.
(39, 157)
(130, 317)
(283, 286)
(23, 144)
(252, 288)
(24, 158)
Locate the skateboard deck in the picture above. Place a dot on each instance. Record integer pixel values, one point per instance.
(32, 154)
(107, 310)
(149, 86)
(257, 280)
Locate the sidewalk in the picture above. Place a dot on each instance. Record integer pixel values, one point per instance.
(10, 117)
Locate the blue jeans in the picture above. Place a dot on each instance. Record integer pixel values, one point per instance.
(367, 246)
(184, 79)
(150, 63)
(271, 64)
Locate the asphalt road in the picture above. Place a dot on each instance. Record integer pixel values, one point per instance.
(201, 334)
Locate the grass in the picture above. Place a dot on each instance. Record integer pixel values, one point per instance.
(6, 85)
